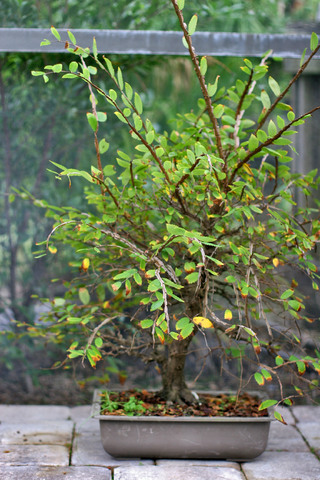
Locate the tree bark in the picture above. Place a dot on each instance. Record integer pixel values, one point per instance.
(174, 387)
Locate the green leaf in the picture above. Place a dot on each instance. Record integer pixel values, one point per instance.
(55, 33)
(279, 417)
(267, 404)
(72, 37)
(218, 110)
(187, 330)
(94, 48)
(279, 360)
(272, 129)
(120, 78)
(103, 146)
(193, 24)
(126, 274)
(303, 57)
(253, 143)
(203, 66)
(84, 296)
(265, 99)
(301, 367)
(109, 66)
(137, 278)
(192, 277)
(175, 230)
(287, 294)
(93, 122)
(73, 66)
(45, 42)
(180, 4)
(138, 103)
(314, 41)
(295, 305)
(273, 84)
(184, 42)
(259, 378)
(212, 88)
(57, 68)
(182, 323)
(98, 342)
(146, 323)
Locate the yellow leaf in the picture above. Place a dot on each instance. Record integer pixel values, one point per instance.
(52, 249)
(276, 262)
(203, 322)
(228, 315)
(85, 264)
(247, 169)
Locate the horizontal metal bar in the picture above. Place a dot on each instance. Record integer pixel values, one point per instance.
(148, 42)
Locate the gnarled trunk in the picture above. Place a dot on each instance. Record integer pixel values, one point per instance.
(174, 387)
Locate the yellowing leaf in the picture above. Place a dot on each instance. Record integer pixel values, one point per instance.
(276, 262)
(247, 169)
(52, 249)
(228, 315)
(203, 322)
(85, 264)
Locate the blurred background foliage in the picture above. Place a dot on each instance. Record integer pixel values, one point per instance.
(250, 16)
(40, 123)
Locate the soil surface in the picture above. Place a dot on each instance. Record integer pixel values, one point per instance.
(143, 402)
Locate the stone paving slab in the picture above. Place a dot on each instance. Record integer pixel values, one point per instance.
(198, 463)
(306, 413)
(311, 432)
(283, 466)
(57, 432)
(81, 413)
(177, 473)
(286, 438)
(88, 450)
(54, 473)
(33, 413)
(34, 455)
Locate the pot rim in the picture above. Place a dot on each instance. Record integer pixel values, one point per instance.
(95, 413)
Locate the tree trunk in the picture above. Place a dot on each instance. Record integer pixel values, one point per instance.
(174, 387)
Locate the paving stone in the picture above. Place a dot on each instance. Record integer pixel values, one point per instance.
(54, 473)
(34, 455)
(199, 463)
(306, 413)
(283, 466)
(311, 432)
(57, 432)
(81, 413)
(33, 413)
(286, 438)
(88, 450)
(88, 424)
(177, 473)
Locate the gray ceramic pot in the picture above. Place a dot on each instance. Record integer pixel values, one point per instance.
(233, 438)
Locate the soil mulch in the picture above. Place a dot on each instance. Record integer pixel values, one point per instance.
(143, 402)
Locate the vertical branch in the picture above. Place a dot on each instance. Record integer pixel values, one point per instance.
(201, 79)
(96, 141)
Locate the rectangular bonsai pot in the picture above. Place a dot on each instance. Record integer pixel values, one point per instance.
(232, 438)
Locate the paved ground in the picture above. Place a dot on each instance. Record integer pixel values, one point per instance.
(62, 443)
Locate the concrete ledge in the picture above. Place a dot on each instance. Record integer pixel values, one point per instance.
(148, 42)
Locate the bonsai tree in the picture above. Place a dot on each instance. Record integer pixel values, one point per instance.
(196, 229)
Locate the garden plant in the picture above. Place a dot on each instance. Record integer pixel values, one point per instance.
(195, 231)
